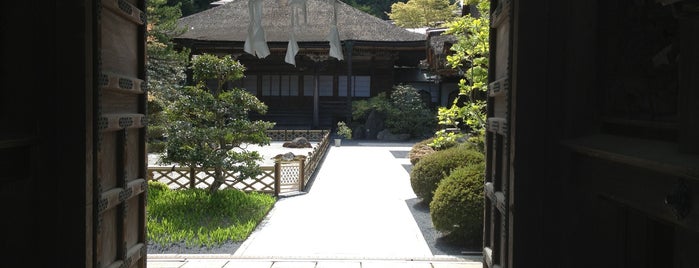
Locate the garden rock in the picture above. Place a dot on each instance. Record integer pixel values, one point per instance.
(375, 122)
(285, 157)
(299, 142)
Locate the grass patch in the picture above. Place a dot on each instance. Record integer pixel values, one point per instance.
(197, 218)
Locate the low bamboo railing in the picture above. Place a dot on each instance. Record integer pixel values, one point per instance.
(289, 174)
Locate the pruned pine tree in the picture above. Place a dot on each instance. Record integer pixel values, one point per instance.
(209, 126)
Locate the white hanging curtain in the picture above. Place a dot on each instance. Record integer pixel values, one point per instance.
(298, 7)
(334, 36)
(291, 50)
(255, 42)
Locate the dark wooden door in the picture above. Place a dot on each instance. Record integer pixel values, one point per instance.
(119, 158)
(498, 218)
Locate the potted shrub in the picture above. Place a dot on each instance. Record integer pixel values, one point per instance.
(343, 131)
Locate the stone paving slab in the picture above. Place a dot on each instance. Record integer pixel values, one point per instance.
(205, 263)
(294, 264)
(339, 264)
(395, 264)
(166, 263)
(248, 264)
(271, 263)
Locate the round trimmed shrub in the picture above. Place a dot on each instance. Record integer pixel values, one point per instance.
(420, 150)
(457, 207)
(432, 168)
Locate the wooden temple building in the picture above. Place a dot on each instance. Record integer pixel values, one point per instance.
(311, 88)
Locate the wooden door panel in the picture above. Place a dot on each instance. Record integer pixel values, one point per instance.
(107, 234)
(502, 44)
(498, 219)
(120, 102)
(120, 39)
(107, 178)
(120, 161)
(133, 161)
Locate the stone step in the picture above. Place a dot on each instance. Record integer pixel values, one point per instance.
(227, 261)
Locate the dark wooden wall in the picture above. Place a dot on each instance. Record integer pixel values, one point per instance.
(592, 183)
(45, 61)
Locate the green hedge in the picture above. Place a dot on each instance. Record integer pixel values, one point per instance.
(457, 207)
(432, 168)
(420, 150)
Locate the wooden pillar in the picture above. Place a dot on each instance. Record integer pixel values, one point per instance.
(302, 162)
(277, 176)
(316, 93)
(349, 45)
(192, 178)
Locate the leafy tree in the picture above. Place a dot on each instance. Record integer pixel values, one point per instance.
(377, 8)
(408, 113)
(165, 64)
(209, 125)
(470, 56)
(165, 67)
(422, 13)
(403, 110)
(363, 107)
(189, 7)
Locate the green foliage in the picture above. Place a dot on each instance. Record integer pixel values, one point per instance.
(431, 169)
(471, 53)
(208, 67)
(165, 68)
(408, 113)
(377, 8)
(362, 108)
(404, 111)
(208, 127)
(198, 218)
(422, 13)
(189, 7)
(165, 65)
(457, 207)
(445, 139)
(156, 146)
(343, 130)
(156, 132)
